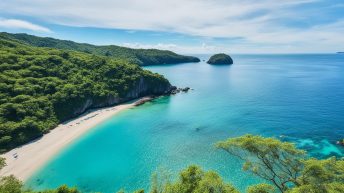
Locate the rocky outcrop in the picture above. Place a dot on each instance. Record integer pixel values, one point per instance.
(340, 142)
(176, 90)
(141, 89)
(220, 59)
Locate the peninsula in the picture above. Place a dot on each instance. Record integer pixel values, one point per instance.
(142, 57)
(45, 81)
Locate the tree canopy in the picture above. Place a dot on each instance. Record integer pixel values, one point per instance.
(192, 180)
(287, 168)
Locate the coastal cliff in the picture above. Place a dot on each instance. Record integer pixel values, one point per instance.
(140, 89)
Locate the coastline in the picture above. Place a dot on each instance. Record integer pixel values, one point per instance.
(34, 155)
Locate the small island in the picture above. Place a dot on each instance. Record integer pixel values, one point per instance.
(220, 59)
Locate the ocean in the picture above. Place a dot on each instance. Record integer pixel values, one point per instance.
(297, 98)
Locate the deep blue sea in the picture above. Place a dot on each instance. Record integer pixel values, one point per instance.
(296, 98)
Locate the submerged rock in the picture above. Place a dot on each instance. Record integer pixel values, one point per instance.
(186, 89)
(176, 90)
(220, 59)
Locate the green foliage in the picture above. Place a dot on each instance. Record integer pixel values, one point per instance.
(261, 188)
(220, 59)
(142, 57)
(65, 189)
(2, 162)
(268, 158)
(140, 191)
(10, 184)
(41, 87)
(335, 187)
(321, 176)
(194, 180)
(61, 189)
(285, 166)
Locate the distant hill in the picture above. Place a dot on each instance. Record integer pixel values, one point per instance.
(142, 57)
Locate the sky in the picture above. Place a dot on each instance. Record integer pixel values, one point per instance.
(185, 26)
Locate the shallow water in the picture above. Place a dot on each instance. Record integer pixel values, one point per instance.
(297, 98)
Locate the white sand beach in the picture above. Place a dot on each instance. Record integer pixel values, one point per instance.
(23, 161)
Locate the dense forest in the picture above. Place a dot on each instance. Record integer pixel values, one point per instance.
(142, 57)
(41, 87)
(284, 168)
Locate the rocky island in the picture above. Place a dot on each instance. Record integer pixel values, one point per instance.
(220, 59)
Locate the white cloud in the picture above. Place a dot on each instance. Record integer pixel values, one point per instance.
(21, 24)
(260, 24)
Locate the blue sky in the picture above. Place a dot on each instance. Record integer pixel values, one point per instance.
(185, 26)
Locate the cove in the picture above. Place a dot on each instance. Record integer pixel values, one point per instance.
(296, 98)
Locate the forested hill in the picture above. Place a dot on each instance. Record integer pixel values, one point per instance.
(142, 57)
(41, 87)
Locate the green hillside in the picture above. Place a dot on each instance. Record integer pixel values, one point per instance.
(142, 57)
(40, 87)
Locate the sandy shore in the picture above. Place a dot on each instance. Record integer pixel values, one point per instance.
(23, 161)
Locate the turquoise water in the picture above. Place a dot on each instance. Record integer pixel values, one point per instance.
(297, 98)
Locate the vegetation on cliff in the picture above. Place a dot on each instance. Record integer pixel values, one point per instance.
(141, 57)
(220, 59)
(285, 168)
(40, 87)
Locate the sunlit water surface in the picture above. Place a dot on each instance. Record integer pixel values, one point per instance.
(297, 98)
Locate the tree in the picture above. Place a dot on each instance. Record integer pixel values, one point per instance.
(273, 160)
(2, 162)
(336, 187)
(10, 184)
(212, 183)
(194, 180)
(261, 188)
(321, 176)
(65, 189)
(286, 167)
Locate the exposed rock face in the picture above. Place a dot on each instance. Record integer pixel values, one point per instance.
(142, 88)
(220, 59)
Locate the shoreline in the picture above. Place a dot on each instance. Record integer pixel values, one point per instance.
(25, 160)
